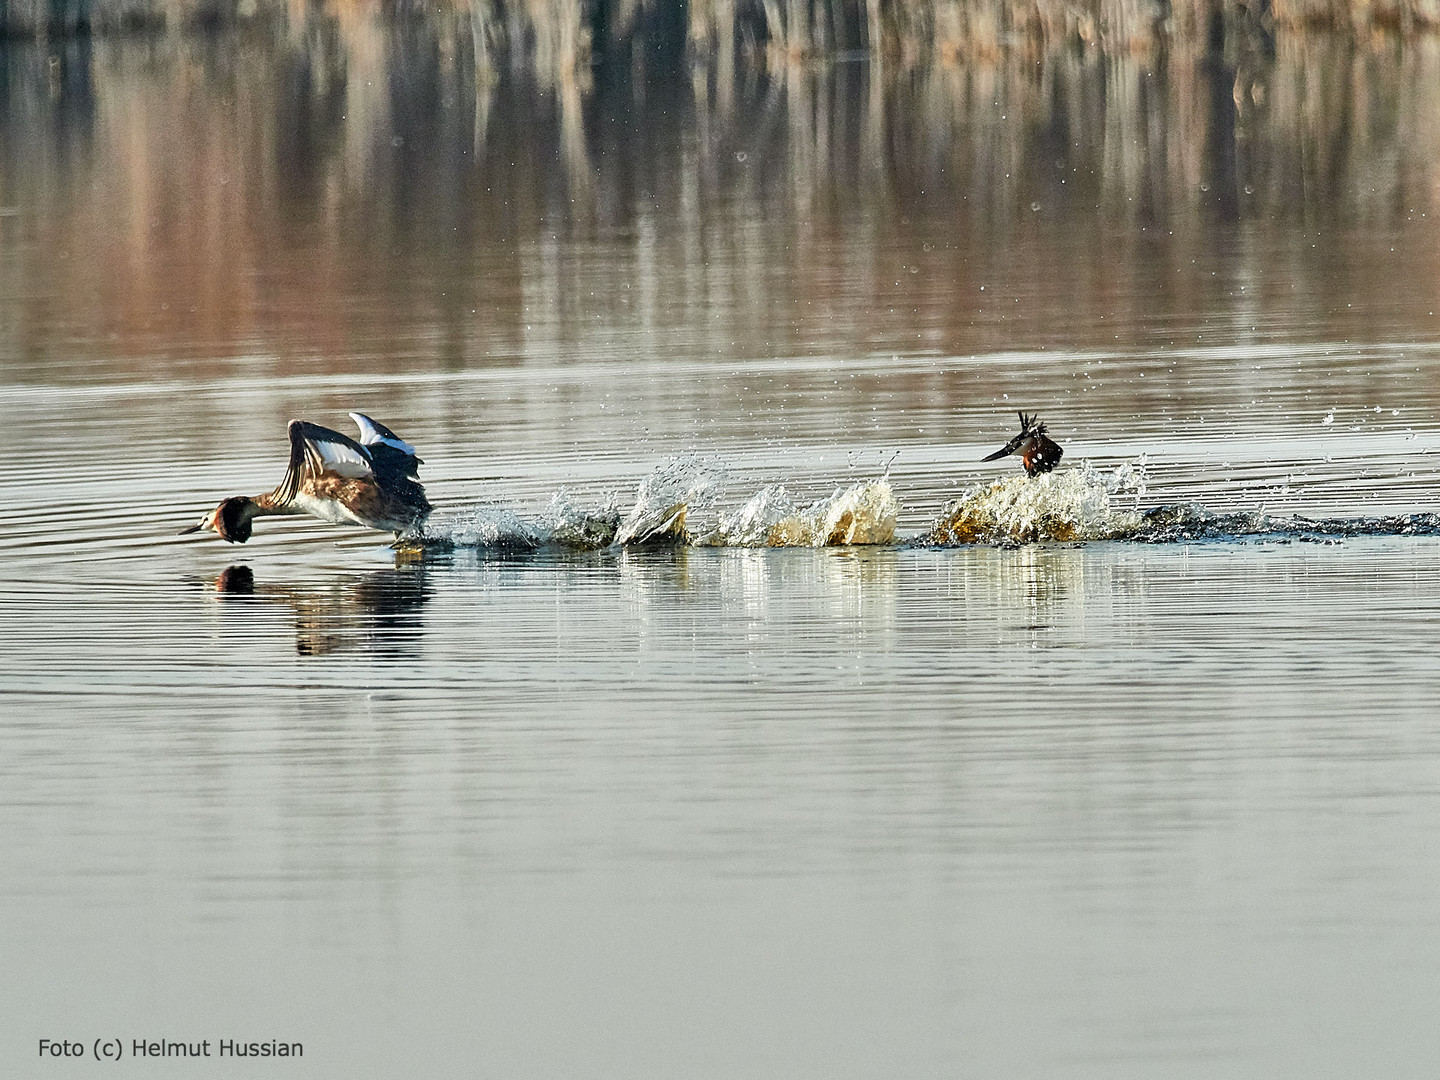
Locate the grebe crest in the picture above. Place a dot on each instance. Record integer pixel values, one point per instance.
(372, 482)
(1038, 452)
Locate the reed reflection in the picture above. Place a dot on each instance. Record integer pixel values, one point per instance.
(377, 613)
(395, 183)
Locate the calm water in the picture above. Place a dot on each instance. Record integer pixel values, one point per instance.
(1102, 809)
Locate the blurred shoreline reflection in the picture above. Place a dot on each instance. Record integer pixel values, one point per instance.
(289, 193)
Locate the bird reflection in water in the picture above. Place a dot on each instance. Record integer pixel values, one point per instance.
(239, 580)
(378, 612)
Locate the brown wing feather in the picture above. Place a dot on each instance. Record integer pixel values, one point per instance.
(289, 487)
(307, 463)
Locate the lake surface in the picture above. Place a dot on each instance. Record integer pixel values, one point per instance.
(1166, 806)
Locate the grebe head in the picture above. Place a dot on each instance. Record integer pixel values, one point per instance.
(232, 520)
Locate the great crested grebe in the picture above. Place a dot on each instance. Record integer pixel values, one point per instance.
(1038, 452)
(372, 482)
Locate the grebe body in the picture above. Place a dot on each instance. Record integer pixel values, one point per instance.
(371, 482)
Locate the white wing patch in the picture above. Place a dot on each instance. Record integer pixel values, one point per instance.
(370, 435)
(340, 459)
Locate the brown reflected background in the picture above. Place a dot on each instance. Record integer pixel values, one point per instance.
(360, 192)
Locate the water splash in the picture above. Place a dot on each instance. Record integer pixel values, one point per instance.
(570, 526)
(864, 513)
(494, 527)
(667, 497)
(1080, 503)
(1069, 504)
(1084, 503)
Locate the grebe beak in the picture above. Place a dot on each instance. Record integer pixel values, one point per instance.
(192, 528)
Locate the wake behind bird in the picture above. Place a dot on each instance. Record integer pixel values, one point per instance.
(680, 504)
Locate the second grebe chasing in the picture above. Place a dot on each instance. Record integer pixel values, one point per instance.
(1038, 452)
(372, 482)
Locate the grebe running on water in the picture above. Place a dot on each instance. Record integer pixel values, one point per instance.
(1038, 453)
(372, 482)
